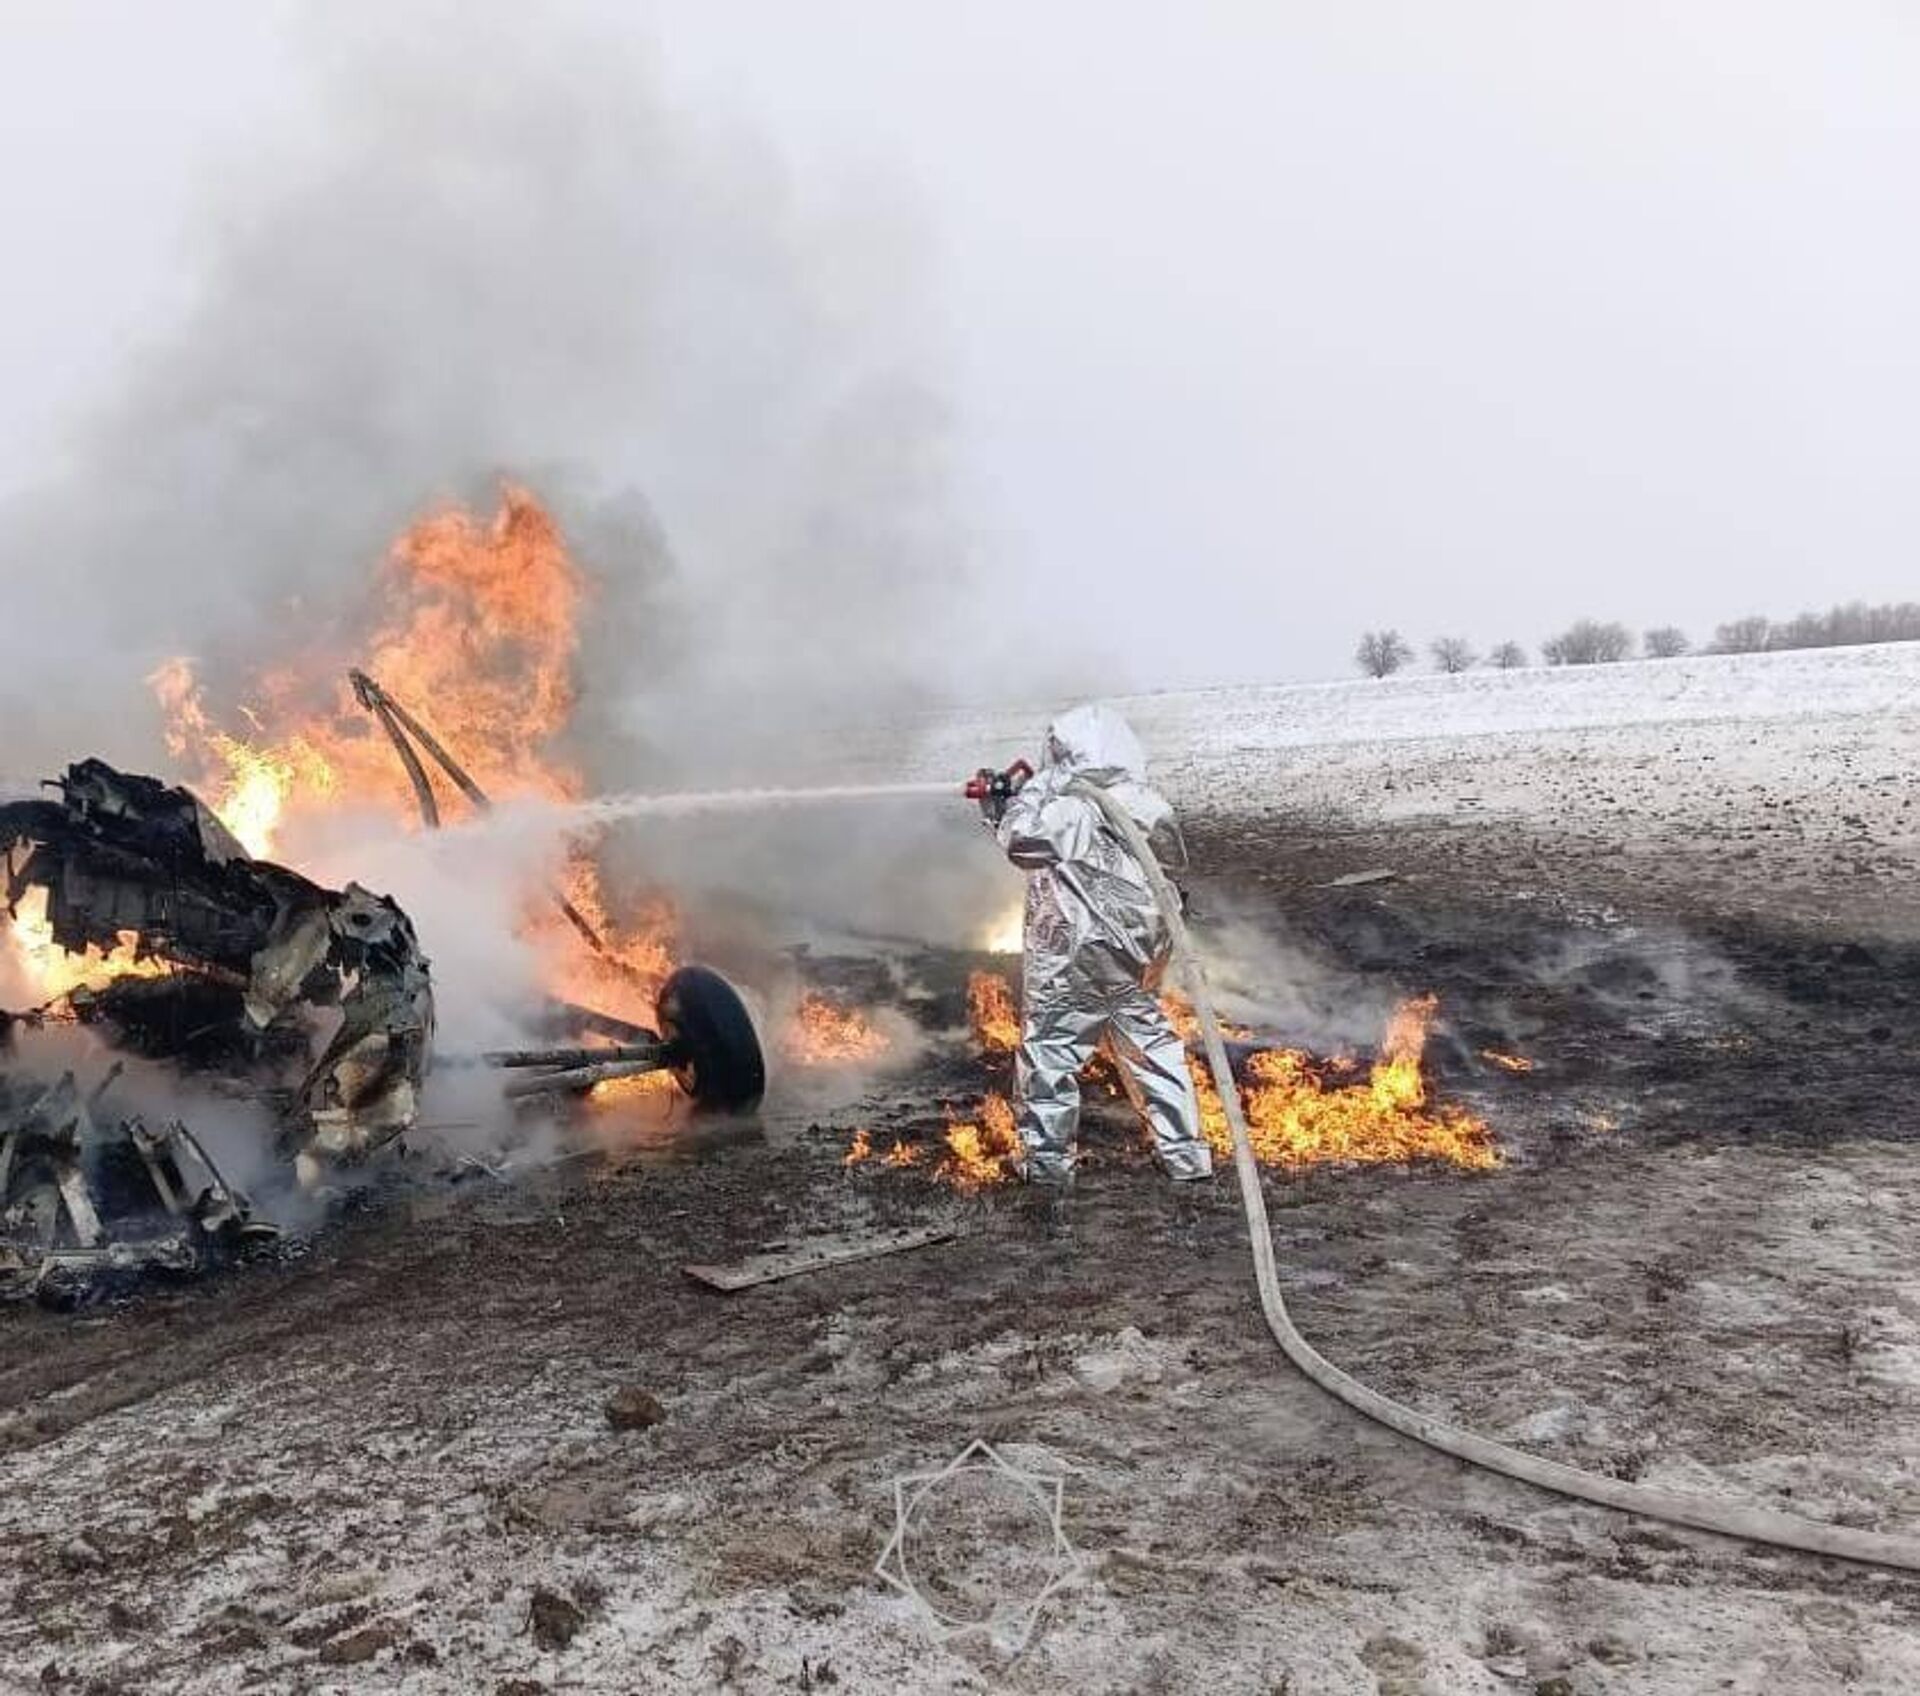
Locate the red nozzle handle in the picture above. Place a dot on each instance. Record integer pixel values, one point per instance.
(986, 780)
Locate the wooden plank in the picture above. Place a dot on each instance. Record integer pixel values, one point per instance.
(1354, 880)
(789, 1260)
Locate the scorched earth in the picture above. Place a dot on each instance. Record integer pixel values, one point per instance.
(488, 1437)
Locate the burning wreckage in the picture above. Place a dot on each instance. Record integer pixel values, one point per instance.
(233, 964)
(228, 959)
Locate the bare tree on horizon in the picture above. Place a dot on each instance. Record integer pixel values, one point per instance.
(1855, 624)
(1588, 642)
(1382, 652)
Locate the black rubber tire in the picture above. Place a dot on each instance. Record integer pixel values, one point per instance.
(720, 1063)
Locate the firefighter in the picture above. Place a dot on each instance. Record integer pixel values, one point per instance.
(1094, 948)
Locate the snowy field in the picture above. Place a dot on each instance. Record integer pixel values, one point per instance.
(1749, 689)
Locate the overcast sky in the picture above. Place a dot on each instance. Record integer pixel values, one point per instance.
(1257, 324)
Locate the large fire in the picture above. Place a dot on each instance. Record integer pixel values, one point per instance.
(476, 632)
(248, 787)
(1299, 1110)
(477, 635)
(50, 969)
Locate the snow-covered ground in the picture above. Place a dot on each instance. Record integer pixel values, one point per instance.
(1827, 683)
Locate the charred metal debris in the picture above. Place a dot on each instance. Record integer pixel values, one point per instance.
(235, 968)
(235, 961)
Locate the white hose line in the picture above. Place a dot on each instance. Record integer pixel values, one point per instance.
(1729, 1519)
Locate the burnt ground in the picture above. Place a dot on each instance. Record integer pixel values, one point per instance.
(384, 1461)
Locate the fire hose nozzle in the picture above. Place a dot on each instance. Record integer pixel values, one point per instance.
(994, 789)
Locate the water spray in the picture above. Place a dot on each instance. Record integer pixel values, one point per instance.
(606, 809)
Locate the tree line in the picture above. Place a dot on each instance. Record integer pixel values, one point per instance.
(1589, 641)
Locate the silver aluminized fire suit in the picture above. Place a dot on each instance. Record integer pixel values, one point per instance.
(1095, 946)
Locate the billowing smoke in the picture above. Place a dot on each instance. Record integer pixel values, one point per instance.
(498, 249)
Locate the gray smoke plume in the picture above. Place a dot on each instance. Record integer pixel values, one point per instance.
(497, 249)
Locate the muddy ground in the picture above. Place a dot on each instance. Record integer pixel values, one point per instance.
(384, 1461)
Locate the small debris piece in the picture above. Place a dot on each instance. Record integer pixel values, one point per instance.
(357, 1646)
(631, 1408)
(1353, 880)
(783, 1260)
(1398, 1666)
(79, 1555)
(1128, 1355)
(555, 1619)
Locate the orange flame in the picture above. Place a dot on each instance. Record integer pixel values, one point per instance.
(610, 1091)
(1186, 1022)
(249, 787)
(978, 1150)
(477, 636)
(1517, 1063)
(1299, 1115)
(995, 1017)
(822, 1033)
(899, 1152)
(1300, 1110)
(51, 970)
(623, 977)
(478, 640)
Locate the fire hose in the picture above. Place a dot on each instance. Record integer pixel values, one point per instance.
(1728, 1519)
